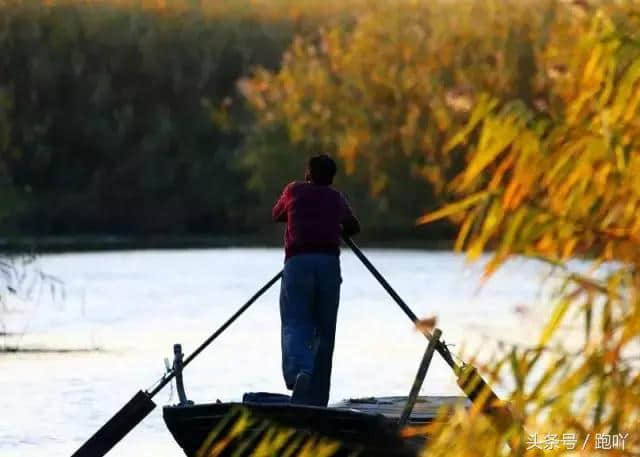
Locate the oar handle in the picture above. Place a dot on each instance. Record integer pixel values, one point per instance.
(171, 374)
(440, 347)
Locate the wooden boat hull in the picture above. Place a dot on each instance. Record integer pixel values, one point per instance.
(368, 426)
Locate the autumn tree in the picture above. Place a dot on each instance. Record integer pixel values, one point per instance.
(558, 184)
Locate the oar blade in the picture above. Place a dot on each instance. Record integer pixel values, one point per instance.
(117, 427)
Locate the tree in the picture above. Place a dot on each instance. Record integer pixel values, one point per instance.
(558, 185)
(384, 90)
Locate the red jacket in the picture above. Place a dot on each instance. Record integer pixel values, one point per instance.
(316, 215)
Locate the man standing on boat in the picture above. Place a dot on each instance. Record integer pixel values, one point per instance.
(316, 215)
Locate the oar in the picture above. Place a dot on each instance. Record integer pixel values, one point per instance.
(141, 404)
(468, 378)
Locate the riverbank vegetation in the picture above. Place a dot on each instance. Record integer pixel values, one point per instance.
(125, 120)
(130, 119)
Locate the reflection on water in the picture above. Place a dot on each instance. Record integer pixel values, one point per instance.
(135, 305)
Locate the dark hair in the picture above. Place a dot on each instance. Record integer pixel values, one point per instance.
(321, 169)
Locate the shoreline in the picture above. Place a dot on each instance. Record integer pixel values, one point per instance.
(97, 243)
(4, 350)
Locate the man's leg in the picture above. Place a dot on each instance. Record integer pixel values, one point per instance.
(296, 298)
(327, 297)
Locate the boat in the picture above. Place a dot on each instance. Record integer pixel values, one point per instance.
(364, 427)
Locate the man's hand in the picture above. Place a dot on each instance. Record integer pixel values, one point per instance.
(350, 226)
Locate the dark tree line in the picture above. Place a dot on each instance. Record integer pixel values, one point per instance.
(121, 120)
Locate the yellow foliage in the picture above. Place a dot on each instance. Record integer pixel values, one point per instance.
(239, 433)
(453, 208)
(567, 186)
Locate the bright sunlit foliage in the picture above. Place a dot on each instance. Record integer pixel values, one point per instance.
(556, 182)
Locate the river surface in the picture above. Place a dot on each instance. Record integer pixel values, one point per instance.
(135, 305)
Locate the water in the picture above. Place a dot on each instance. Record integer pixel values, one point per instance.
(134, 305)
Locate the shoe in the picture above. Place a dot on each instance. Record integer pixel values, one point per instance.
(301, 388)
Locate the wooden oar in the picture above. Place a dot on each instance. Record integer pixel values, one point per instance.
(468, 378)
(141, 404)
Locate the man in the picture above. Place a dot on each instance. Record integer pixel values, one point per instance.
(316, 215)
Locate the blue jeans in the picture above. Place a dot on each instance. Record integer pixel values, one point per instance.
(309, 296)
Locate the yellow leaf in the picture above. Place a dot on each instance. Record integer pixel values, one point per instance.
(569, 246)
(464, 233)
(554, 322)
(453, 208)
(512, 229)
(496, 138)
(483, 107)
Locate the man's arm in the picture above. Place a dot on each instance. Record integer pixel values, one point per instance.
(350, 224)
(279, 212)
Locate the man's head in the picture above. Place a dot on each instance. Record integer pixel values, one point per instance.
(321, 169)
